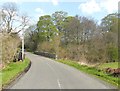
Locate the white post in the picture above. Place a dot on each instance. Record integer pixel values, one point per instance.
(22, 46)
(56, 57)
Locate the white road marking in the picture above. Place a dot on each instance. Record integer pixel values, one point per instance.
(58, 81)
(59, 84)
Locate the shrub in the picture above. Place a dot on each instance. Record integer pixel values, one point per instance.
(10, 44)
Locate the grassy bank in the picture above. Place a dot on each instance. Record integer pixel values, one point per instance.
(12, 70)
(93, 71)
(109, 65)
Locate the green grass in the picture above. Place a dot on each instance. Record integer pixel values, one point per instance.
(12, 70)
(93, 71)
(109, 65)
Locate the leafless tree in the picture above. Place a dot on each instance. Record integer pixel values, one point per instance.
(11, 20)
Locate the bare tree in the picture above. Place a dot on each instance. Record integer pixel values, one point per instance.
(12, 21)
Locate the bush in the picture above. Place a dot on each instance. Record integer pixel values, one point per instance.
(10, 44)
(113, 54)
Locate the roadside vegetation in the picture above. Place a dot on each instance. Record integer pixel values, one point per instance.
(12, 22)
(96, 71)
(76, 38)
(12, 70)
(80, 39)
(109, 65)
(9, 31)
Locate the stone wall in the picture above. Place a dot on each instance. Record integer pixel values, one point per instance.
(46, 54)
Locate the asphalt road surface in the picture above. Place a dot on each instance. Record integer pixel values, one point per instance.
(45, 73)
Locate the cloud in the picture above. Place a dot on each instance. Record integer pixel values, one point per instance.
(90, 7)
(55, 2)
(109, 5)
(36, 16)
(39, 10)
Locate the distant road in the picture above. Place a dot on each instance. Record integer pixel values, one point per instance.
(48, 74)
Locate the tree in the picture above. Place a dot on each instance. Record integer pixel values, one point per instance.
(46, 27)
(77, 37)
(42, 36)
(31, 38)
(109, 26)
(58, 19)
(110, 23)
(12, 21)
(66, 30)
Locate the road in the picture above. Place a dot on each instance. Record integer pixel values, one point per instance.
(45, 73)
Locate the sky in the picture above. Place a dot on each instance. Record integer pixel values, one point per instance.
(96, 9)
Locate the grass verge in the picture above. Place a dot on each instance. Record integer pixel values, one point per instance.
(109, 65)
(12, 70)
(93, 71)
